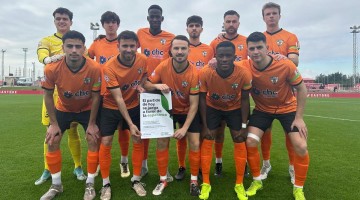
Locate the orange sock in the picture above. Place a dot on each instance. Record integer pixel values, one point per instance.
(146, 148)
(218, 149)
(253, 158)
(266, 142)
(194, 157)
(206, 158)
(181, 151)
(290, 149)
(162, 157)
(301, 166)
(124, 140)
(105, 160)
(92, 161)
(240, 161)
(54, 161)
(137, 158)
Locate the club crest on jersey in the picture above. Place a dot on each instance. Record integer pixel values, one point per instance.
(234, 86)
(204, 53)
(184, 84)
(107, 79)
(274, 79)
(87, 80)
(140, 70)
(240, 47)
(279, 42)
(162, 41)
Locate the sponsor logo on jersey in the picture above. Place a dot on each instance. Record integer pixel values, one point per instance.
(274, 79)
(199, 64)
(228, 97)
(68, 94)
(79, 94)
(238, 58)
(280, 42)
(156, 53)
(135, 83)
(215, 96)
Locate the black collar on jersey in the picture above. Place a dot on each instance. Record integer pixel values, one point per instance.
(187, 66)
(78, 69)
(274, 32)
(111, 40)
(196, 45)
(267, 66)
(156, 33)
(226, 75)
(129, 66)
(57, 36)
(230, 39)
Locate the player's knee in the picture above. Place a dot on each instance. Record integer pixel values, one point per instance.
(252, 140)
(300, 148)
(162, 143)
(107, 140)
(194, 144)
(209, 136)
(239, 138)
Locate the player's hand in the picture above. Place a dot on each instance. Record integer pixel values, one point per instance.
(134, 130)
(140, 89)
(212, 63)
(53, 58)
(163, 88)
(52, 132)
(220, 36)
(180, 133)
(93, 132)
(300, 124)
(278, 57)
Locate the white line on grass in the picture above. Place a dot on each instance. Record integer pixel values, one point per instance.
(342, 119)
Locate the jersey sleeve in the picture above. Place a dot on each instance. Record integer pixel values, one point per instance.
(43, 50)
(202, 79)
(91, 51)
(110, 78)
(294, 75)
(247, 78)
(97, 80)
(48, 83)
(293, 45)
(194, 85)
(155, 76)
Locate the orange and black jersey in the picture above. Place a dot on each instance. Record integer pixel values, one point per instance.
(102, 50)
(182, 84)
(200, 55)
(240, 45)
(127, 78)
(224, 93)
(282, 42)
(74, 87)
(155, 47)
(272, 86)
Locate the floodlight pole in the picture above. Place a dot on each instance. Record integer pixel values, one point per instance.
(355, 29)
(2, 65)
(25, 50)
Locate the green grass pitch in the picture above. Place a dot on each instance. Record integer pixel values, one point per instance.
(334, 146)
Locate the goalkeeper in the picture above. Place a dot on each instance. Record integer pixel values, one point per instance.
(50, 50)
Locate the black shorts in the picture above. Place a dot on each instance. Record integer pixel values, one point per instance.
(194, 126)
(64, 119)
(263, 120)
(111, 119)
(135, 118)
(232, 118)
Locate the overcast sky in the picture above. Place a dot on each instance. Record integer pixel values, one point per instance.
(322, 26)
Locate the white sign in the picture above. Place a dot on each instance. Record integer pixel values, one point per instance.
(155, 118)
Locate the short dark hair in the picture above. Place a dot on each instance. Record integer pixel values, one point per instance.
(226, 44)
(180, 37)
(73, 35)
(127, 35)
(270, 5)
(231, 12)
(194, 19)
(155, 7)
(62, 11)
(109, 16)
(256, 37)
